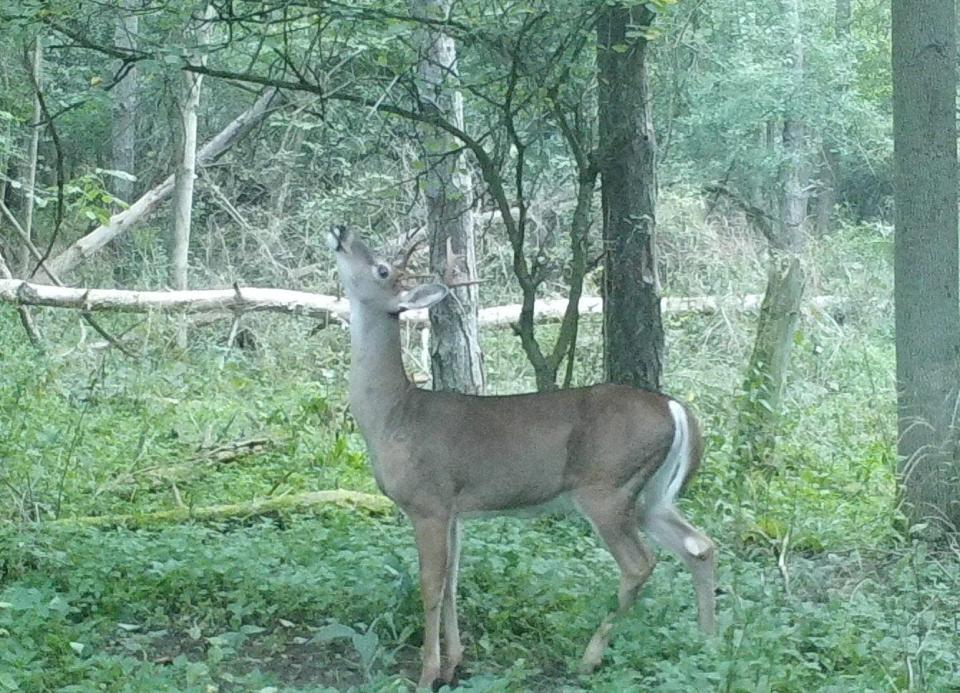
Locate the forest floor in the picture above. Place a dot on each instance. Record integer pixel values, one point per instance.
(328, 601)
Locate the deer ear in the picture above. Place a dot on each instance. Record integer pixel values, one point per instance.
(422, 296)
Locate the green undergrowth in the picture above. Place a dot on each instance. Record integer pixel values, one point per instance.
(818, 590)
(90, 433)
(329, 601)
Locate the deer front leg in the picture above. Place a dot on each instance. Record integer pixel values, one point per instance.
(432, 538)
(451, 631)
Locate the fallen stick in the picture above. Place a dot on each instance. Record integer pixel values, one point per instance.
(162, 474)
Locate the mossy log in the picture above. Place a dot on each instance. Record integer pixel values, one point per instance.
(373, 504)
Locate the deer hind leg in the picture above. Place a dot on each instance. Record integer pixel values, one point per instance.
(451, 631)
(432, 535)
(668, 528)
(614, 519)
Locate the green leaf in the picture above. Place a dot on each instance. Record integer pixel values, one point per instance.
(334, 631)
(366, 646)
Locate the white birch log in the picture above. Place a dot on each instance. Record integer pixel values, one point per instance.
(253, 299)
(242, 299)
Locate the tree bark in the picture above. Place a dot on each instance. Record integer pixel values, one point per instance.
(123, 113)
(927, 311)
(121, 222)
(456, 360)
(632, 325)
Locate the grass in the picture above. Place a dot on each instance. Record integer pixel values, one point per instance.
(325, 598)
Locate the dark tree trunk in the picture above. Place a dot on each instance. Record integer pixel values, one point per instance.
(632, 326)
(926, 258)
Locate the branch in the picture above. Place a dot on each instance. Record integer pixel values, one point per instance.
(90, 320)
(755, 215)
(128, 55)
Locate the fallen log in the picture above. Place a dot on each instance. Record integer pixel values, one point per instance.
(251, 299)
(237, 299)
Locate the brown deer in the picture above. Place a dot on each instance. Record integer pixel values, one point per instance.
(622, 455)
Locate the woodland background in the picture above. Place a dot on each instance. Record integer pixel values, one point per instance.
(185, 502)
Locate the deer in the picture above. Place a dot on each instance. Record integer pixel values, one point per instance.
(622, 454)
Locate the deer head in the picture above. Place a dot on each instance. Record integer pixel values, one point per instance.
(376, 283)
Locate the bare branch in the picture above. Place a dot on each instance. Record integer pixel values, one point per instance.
(758, 217)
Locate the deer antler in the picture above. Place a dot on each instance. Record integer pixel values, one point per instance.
(408, 246)
(456, 272)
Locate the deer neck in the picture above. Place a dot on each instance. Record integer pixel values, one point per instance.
(377, 380)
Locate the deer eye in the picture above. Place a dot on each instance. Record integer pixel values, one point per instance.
(381, 270)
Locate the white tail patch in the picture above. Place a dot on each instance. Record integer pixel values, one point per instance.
(664, 486)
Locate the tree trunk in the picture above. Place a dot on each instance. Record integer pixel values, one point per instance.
(456, 360)
(826, 178)
(759, 413)
(826, 191)
(123, 114)
(185, 129)
(758, 417)
(926, 252)
(632, 326)
(186, 144)
(30, 179)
